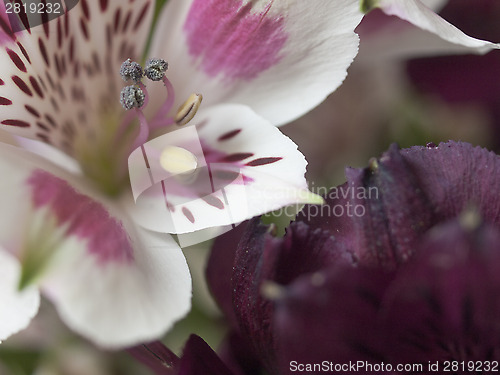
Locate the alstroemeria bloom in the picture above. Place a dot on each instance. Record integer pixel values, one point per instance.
(71, 233)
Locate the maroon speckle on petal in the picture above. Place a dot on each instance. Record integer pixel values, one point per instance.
(51, 121)
(141, 16)
(32, 110)
(23, 51)
(16, 60)
(43, 51)
(117, 19)
(127, 21)
(104, 4)
(263, 161)
(42, 126)
(43, 137)
(71, 49)
(19, 123)
(66, 24)
(5, 101)
(229, 135)
(45, 23)
(85, 9)
(83, 217)
(36, 86)
(236, 157)
(59, 33)
(2, 82)
(83, 26)
(188, 214)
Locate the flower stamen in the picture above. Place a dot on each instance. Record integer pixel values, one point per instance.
(136, 97)
(155, 69)
(188, 110)
(159, 119)
(132, 97)
(131, 71)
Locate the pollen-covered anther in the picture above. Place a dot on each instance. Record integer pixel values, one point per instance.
(155, 69)
(131, 71)
(178, 160)
(132, 97)
(188, 110)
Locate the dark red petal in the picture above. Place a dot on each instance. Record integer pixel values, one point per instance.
(262, 258)
(156, 356)
(220, 269)
(379, 213)
(445, 304)
(332, 317)
(405, 193)
(198, 358)
(237, 355)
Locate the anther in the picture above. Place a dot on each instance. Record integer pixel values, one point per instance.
(186, 111)
(131, 71)
(132, 97)
(178, 160)
(155, 69)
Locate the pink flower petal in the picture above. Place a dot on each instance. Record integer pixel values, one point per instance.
(280, 57)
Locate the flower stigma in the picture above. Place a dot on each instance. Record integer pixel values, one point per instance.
(178, 160)
(103, 155)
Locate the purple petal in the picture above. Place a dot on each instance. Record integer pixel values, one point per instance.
(156, 356)
(261, 259)
(333, 317)
(382, 210)
(198, 358)
(236, 353)
(220, 268)
(445, 304)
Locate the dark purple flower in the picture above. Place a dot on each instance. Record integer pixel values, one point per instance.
(198, 358)
(397, 276)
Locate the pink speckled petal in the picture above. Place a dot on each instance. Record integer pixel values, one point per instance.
(101, 272)
(281, 58)
(58, 80)
(246, 167)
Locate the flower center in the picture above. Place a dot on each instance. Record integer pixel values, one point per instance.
(105, 162)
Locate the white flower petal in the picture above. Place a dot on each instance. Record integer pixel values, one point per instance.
(112, 282)
(60, 80)
(120, 304)
(246, 167)
(281, 58)
(17, 308)
(420, 15)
